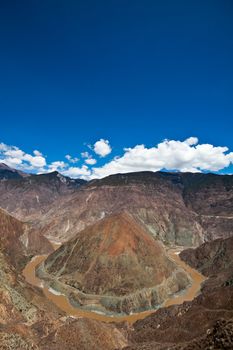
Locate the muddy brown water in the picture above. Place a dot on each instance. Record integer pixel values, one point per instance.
(63, 303)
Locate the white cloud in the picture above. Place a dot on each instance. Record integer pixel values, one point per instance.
(90, 161)
(14, 152)
(37, 153)
(191, 141)
(170, 155)
(75, 172)
(12, 162)
(71, 159)
(57, 166)
(35, 161)
(3, 147)
(102, 148)
(85, 155)
(15, 157)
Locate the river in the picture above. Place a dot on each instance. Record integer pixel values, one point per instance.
(63, 303)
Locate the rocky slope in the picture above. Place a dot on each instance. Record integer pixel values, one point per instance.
(165, 203)
(85, 334)
(7, 173)
(17, 312)
(190, 326)
(17, 240)
(28, 196)
(211, 258)
(114, 265)
(28, 321)
(210, 196)
(153, 199)
(178, 208)
(204, 323)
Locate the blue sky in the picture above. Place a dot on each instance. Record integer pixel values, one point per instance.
(130, 72)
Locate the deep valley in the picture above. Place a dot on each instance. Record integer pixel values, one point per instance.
(132, 261)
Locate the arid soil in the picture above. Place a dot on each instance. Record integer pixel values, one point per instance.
(18, 241)
(28, 320)
(172, 208)
(62, 302)
(114, 266)
(205, 322)
(177, 208)
(211, 258)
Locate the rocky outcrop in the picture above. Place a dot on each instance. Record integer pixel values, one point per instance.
(211, 258)
(210, 196)
(205, 322)
(18, 240)
(191, 325)
(154, 199)
(165, 203)
(28, 321)
(85, 334)
(178, 208)
(28, 196)
(7, 173)
(17, 312)
(220, 336)
(115, 266)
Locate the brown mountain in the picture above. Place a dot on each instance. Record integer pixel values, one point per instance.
(178, 208)
(27, 319)
(204, 323)
(114, 265)
(169, 205)
(210, 196)
(17, 240)
(211, 257)
(85, 334)
(154, 199)
(17, 310)
(29, 196)
(7, 173)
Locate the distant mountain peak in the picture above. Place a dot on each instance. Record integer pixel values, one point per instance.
(4, 166)
(7, 172)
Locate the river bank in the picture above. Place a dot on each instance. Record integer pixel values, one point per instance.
(63, 303)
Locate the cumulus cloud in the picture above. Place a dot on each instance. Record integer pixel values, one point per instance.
(35, 161)
(85, 155)
(57, 166)
(71, 159)
(172, 155)
(184, 156)
(102, 148)
(191, 141)
(15, 157)
(76, 172)
(37, 153)
(90, 161)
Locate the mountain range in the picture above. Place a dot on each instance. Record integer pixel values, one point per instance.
(114, 265)
(115, 236)
(178, 208)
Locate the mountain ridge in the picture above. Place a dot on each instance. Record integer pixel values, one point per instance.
(114, 265)
(180, 208)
